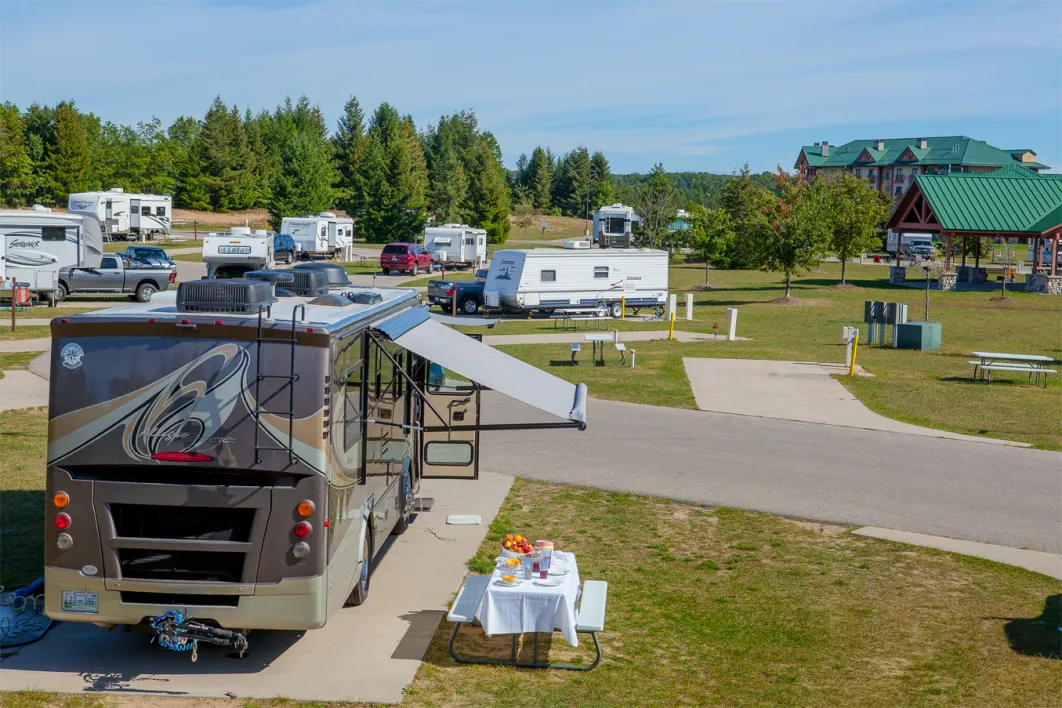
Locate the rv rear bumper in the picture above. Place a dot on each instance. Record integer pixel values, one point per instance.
(293, 603)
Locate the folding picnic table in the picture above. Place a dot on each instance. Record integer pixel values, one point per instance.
(1033, 362)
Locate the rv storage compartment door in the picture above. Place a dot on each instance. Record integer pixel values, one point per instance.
(489, 368)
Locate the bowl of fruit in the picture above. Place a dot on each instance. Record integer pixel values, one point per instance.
(515, 546)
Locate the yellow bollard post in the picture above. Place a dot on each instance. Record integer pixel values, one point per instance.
(623, 307)
(855, 348)
(671, 329)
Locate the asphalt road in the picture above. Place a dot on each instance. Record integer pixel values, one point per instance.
(974, 491)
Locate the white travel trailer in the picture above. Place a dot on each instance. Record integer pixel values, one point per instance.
(36, 243)
(456, 244)
(122, 215)
(230, 255)
(546, 279)
(324, 235)
(614, 226)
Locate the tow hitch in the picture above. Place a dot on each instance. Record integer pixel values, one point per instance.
(176, 633)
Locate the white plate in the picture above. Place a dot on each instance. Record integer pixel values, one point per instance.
(558, 572)
(503, 584)
(547, 583)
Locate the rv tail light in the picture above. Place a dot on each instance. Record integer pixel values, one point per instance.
(152, 320)
(64, 541)
(310, 330)
(186, 322)
(65, 320)
(305, 508)
(60, 500)
(62, 521)
(300, 550)
(219, 322)
(303, 529)
(182, 457)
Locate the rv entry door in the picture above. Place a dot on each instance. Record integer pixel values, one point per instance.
(446, 447)
(134, 214)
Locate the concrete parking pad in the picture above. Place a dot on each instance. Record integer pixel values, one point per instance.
(793, 390)
(1049, 564)
(368, 653)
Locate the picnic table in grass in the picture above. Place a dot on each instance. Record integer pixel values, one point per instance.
(1031, 364)
(535, 604)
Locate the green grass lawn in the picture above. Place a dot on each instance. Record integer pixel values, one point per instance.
(925, 388)
(188, 257)
(23, 332)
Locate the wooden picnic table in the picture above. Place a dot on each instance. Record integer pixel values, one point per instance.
(1033, 364)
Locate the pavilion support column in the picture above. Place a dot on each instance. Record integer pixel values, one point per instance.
(977, 253)
(947, 252)
(964, 240)
(1054, 255)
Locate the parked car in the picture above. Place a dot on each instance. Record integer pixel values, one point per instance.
(469, 294)
(149, 255)
(283, 248)
(405, 257)
(116, 274)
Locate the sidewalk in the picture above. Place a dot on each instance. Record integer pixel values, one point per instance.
(40, 344)
(22, 389)
(569, 337)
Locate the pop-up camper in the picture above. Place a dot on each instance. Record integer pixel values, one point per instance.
(230, 255)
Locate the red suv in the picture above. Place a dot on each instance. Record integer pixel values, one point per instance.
(406, 257)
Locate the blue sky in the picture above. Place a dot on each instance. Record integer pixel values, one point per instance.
(696, 85)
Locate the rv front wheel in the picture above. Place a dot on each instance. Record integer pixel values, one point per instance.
(360, 593)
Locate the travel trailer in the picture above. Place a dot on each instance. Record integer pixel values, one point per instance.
(230, 255)
(321, 236)
(221, 460)
(35, 244)
(456, 244)
(546, 279)
(614, 226)
(123, 215)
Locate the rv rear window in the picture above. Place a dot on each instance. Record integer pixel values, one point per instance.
(549, 276)
(453, 453)
(53, 233)
(600, 271)
(160, 211)
(615, 225)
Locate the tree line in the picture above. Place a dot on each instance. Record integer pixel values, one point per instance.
(379, 169)
(574, 184)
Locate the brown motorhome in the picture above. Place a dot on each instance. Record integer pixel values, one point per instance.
(240, 457)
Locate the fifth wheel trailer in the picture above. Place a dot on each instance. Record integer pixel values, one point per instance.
(244, 457)
(35, 244)
(122, 214)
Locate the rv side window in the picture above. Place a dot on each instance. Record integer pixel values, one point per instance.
(53, 233)
(600, 271)
(160, 211)
(145, 211)
(549, 276)
(348, 375)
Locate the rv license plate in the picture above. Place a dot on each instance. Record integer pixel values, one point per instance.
(83, 602)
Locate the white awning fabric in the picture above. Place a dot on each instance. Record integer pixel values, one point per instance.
(491, 368)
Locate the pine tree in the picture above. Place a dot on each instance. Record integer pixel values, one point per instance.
(348, 149)
(656, 203)
(304, 182)
(539, 181)
(16, 168)
(489, 194)
(394, 172)
(570, 191)
(449, 186)
(69, 160)
(601, 191)
(191, 190)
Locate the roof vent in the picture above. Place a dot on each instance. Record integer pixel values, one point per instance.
(309, 283)
(241, 296)
(328, 214)
(577, 244)
(825, 149)
(239, 231)
(331, 300)
(39, 207)
(879, 145)
(116, 190)
(364, 297)
(335, 273)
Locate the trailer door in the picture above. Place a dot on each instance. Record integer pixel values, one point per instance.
(134, 213)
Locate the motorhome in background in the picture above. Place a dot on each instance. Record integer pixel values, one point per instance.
(122, 214)
(230, 255)
(548, 279)
(614, 226)
(36, 243)
(456, 244)
(322, 236)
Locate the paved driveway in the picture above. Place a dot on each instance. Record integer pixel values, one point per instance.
(969, 490)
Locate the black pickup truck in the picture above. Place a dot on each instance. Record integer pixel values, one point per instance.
(469, 293)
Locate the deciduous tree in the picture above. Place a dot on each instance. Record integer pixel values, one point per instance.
(710, 235)
(16, 168)
(857, 213)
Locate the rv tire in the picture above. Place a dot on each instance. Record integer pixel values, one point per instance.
(360, 593)
(616, 310)
(144, 291)
(61, 292)
(469, 306)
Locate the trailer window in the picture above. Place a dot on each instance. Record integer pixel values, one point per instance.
(549, 276)
(53, 233)
(160, 211)
(600, 271)
(145, 211)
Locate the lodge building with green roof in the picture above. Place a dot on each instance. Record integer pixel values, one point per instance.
(892, 164)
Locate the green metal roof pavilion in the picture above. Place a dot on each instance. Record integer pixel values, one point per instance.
(1011, 203)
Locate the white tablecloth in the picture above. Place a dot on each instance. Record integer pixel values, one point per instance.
(532, 608)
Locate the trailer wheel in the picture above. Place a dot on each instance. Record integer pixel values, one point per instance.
(360, 593)
(469, 306)
(144, 291)
(616, 310)
(61, 292)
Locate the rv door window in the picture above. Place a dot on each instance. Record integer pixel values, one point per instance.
(470, 241)
(600, 271)
(453, 453)
(549, 276)
(53, 233)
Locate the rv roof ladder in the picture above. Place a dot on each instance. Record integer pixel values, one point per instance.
(291, 377)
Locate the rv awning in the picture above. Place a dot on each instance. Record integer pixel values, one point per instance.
(487, 366)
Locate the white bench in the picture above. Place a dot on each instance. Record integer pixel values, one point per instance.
(590, 619)
(576, 348)
(1023, 368)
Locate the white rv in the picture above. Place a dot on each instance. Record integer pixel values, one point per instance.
(614, 226)
(547, 279)
(324, 235)
(456, 244)
(122, 215)
(36, 243)
(230, 255)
